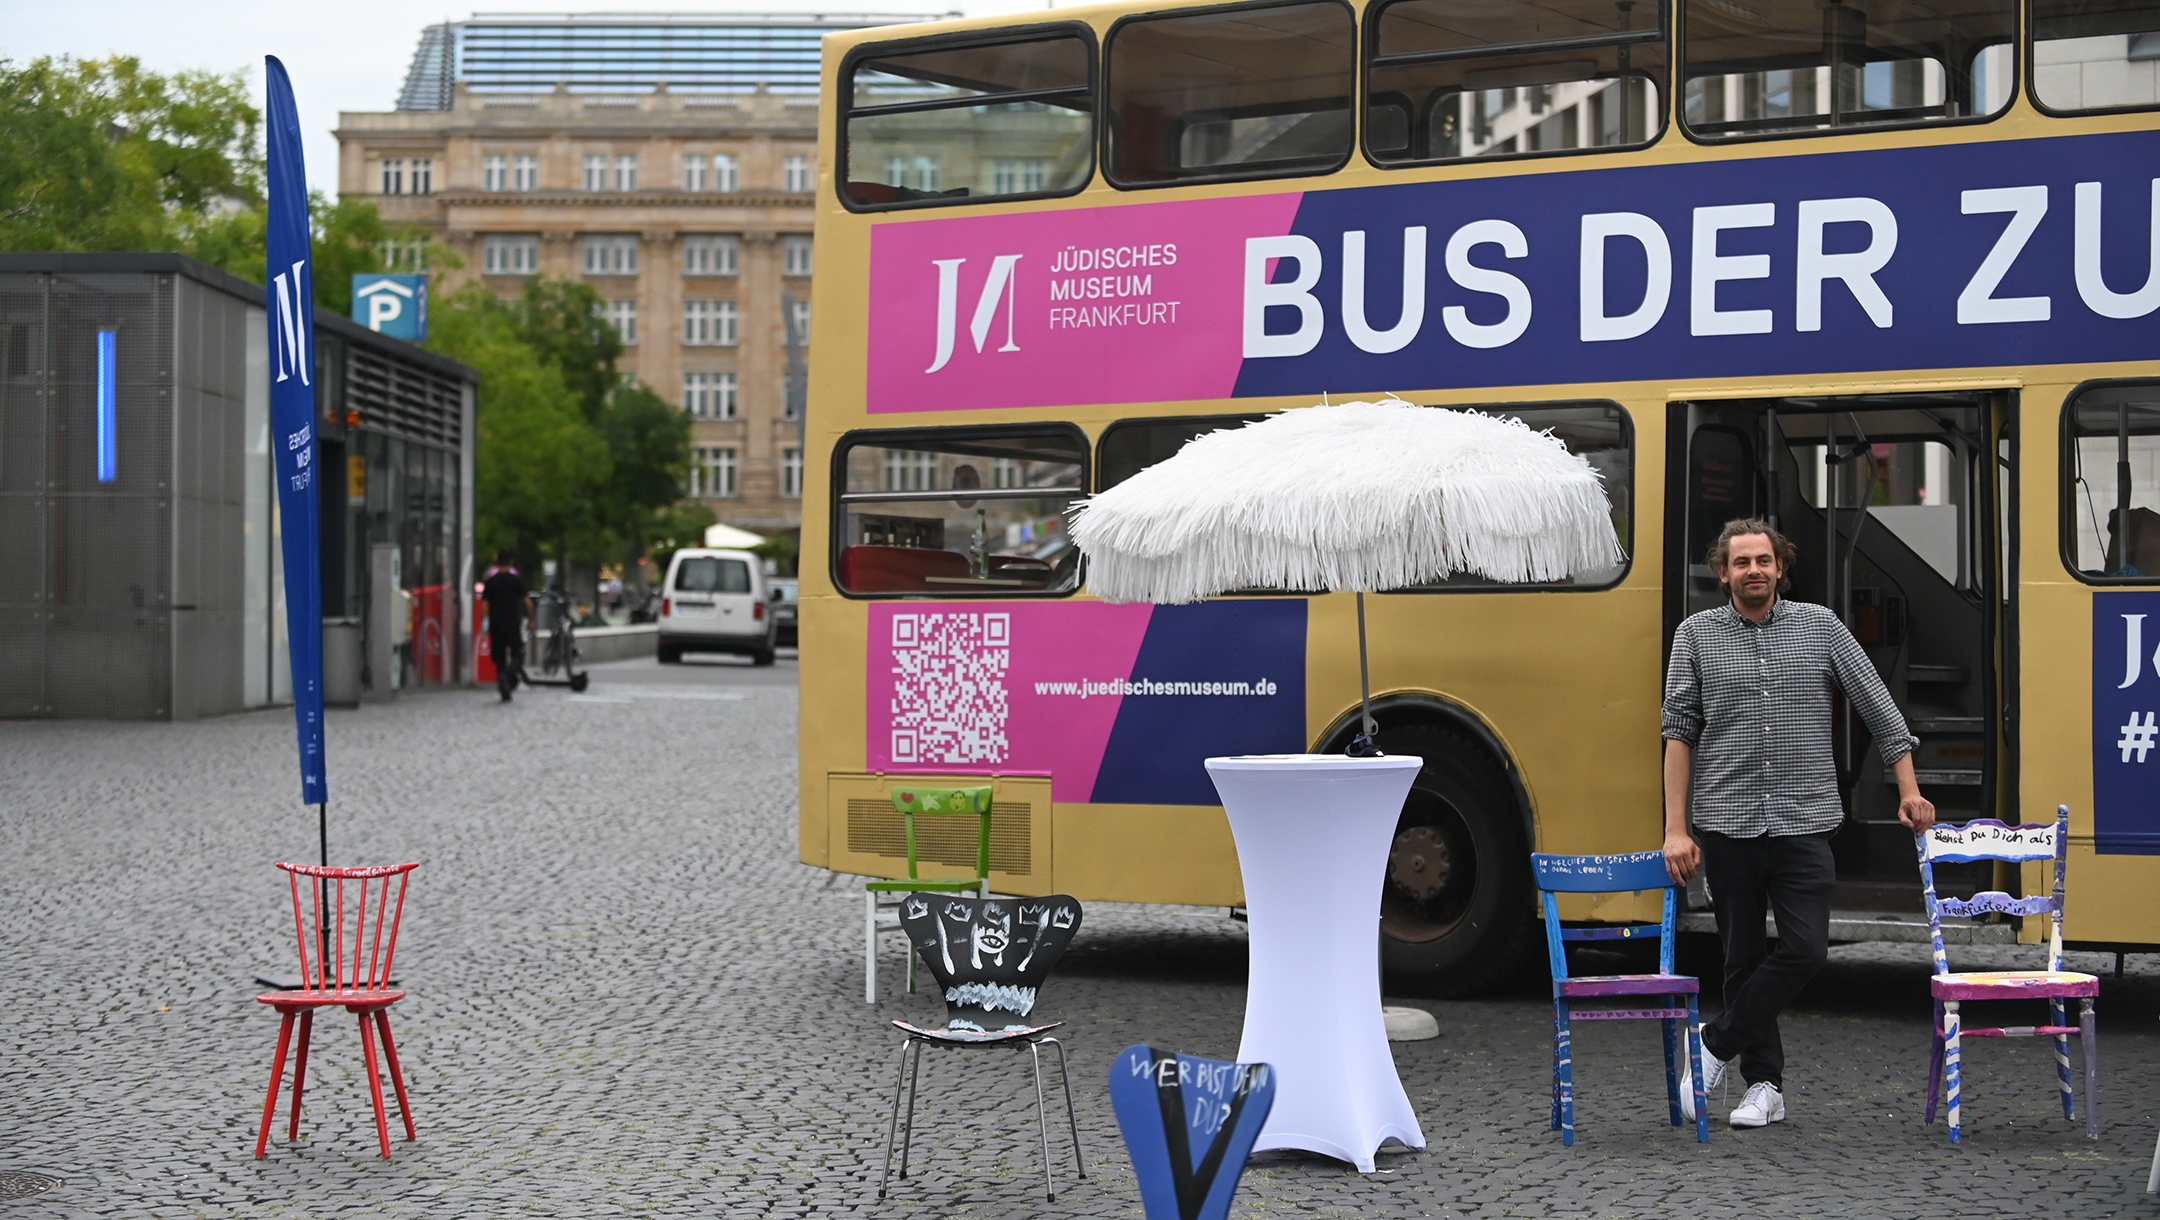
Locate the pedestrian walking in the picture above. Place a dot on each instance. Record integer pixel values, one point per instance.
(510, 609)
(1748, 763)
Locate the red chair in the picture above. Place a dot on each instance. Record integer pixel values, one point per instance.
(901, 569)
(350, 974)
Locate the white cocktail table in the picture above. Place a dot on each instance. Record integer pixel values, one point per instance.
(1313, 832)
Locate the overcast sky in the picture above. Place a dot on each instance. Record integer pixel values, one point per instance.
(341, 56)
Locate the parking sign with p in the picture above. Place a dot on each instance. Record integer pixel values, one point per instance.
(393, 305)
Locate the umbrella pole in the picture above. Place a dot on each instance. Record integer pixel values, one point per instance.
(1361, 743)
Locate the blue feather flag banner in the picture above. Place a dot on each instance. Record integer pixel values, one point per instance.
(292, 421)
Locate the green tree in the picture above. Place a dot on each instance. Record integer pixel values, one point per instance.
(539, 462)
(648, 441)
(573, 455)
(647, 437)
(562, 320)
(102, 155)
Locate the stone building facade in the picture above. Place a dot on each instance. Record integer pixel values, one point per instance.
(682, 194)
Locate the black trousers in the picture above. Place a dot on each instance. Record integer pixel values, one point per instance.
(1792, 875)
(507, 650)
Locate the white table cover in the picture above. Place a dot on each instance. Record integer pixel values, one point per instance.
(1313, 832)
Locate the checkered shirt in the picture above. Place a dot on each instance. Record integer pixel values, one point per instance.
(1753, 701)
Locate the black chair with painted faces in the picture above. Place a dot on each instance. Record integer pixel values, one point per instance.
(990, 958)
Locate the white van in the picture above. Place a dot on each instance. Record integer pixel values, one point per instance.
(716, 601)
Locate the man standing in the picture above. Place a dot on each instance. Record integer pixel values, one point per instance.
(1748, 760)
(510, 608)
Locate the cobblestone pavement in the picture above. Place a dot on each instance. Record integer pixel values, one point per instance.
(628, 999)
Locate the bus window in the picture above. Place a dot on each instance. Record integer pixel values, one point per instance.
(1130, 446)
(1256, 91)
(955, 512)
(1600, 433)
(1449, 79)
(967, 122)
(1799, 66)
(2095, 54)
(2111, 483)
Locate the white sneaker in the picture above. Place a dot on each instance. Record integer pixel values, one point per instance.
(1763, 1105)
(1713, 1079)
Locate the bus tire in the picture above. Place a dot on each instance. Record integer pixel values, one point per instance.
(670, 655)
(1455, 908)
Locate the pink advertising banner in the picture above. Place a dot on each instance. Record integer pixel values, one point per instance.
(955, 687)
(1119, 304)
(1119, 704)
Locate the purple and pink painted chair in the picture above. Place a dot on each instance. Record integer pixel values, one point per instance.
(1665, 997)
(1991, 840)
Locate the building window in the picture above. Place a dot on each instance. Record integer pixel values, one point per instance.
(595, 173)
(423, 176)
(623, 316)
(912, 174)
(494, 173)
(795, 254)
(611, 255)
(393, 177)
(1018, 177)
(791, 474)
(726, 174)
(712, 472)
(408, 254)
(693, 173)
(799, 319)
(1004, 472)
(525, 172)
(626, 173)
(710, 254)
(709, 395)
(510, 254)
(709, 323)
(910, 470)
(795, 175)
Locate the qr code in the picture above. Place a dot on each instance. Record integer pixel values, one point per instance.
(949, 703)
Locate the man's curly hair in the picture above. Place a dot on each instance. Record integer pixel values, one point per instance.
(1787, 553)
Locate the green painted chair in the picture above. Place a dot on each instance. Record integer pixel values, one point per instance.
(912, 801)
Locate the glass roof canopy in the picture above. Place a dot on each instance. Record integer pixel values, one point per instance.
(622, 53)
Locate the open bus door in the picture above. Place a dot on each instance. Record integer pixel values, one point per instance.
(1896, 503)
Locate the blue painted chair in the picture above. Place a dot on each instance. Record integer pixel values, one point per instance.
(1988, 839)
(1671, 999)
(1190, 1125)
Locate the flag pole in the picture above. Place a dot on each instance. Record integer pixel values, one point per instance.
(322, 893)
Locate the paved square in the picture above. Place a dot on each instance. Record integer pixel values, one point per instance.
(628, 999)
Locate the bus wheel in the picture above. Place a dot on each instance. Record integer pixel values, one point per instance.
(1455, 908)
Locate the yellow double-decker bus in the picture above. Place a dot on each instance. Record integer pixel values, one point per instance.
(1885, 272)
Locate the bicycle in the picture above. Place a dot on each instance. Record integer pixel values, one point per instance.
(560, 652)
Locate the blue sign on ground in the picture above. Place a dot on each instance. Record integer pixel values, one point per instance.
(1189, 1124)
(393, 305)
(2126, 723)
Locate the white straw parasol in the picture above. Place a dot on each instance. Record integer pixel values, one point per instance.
(1353, 497)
